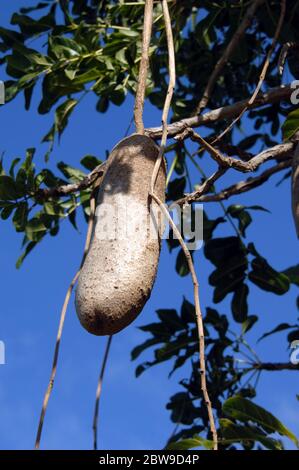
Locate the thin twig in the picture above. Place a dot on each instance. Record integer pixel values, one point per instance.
(262, 74)
(142, 77)
(61, 324)
(199, 319)
(283, 55)
(98, 393)
(205, 187)
(238, 188)
(171, 65)
(171, 85)
(234, 42)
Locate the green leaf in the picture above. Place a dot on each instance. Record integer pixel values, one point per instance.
(8, 188)
(286, 176)
(117, 96)
(31, 26)
(229, 270)
(249, 142)
(7, 211)
(11, 90)
(258, 208)
(172, 348)
(90, 162)
(219, 250)
(228, 276)
(182, 408)
(35, 228)
(291, 125)
(181, 265)
(175, 188)
(277, 329)
(171, 318)
(28, 92)
(191, 443)
(264, 276)
(244, 410)
(74, 174)
(234, 433)
(293, 274)
(238, 212)
(28, 249)
(102, 104)
(248, 323)
(157, 329)
(12, 167)
(142, 368)
(63, 113)
(142, 347)
(239, 303)
(188, 312)
(20, 216)
(39, 6)
(62, 47)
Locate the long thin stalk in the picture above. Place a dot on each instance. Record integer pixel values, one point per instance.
(61, 325)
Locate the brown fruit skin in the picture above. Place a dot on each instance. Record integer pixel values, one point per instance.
(118, 274)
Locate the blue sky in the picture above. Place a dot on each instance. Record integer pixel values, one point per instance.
(132, 414)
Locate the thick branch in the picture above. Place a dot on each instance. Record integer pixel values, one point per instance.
(274, 95)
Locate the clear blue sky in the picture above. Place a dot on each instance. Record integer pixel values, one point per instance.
(133, 414)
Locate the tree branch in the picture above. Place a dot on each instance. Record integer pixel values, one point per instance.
(171, 85)
(278, 152)
(64, 190)
(234, 42)
(275, 366)
(274, 95)
(233, 190)
(262, 74)
(142, 76)
(239, 165)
